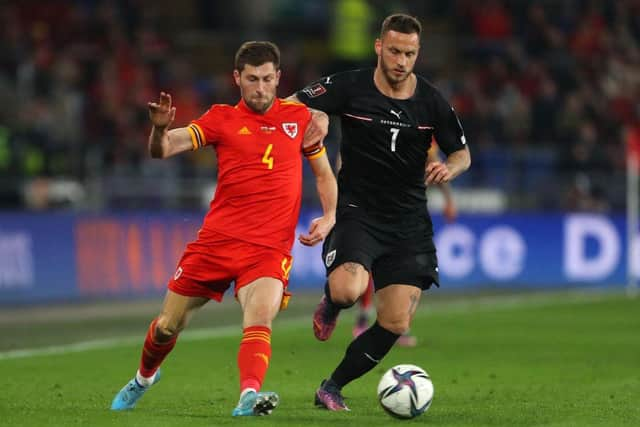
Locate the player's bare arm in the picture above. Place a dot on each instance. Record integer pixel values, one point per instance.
(162, 141)
(318, 127)
(456, 163)
(328, 194)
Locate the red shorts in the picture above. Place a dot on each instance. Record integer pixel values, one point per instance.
(207, 268)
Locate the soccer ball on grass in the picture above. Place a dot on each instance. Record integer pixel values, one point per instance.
(405, 391)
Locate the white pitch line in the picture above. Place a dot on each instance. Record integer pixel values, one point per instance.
(190, 335)
(464, 305)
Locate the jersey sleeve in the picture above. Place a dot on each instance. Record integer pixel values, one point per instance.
(203, 130)
(448, 133)
(327, 94)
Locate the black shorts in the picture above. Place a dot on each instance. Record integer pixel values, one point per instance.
(392, 253)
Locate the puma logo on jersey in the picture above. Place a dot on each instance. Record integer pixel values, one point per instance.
(244, 131)
(328, 81)
(396, 113)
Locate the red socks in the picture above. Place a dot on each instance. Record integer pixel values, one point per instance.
(153, 353)
(253, 356)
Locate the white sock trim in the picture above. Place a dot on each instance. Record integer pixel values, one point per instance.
(144, 381)
(247, 390)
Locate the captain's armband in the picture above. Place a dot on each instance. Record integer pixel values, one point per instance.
(197, 136)
(314, 151)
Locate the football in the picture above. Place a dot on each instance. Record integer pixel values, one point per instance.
(405, 391)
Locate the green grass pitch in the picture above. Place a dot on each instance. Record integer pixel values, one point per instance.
(552, 359)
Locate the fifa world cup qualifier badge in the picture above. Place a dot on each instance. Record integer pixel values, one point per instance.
(314, 90)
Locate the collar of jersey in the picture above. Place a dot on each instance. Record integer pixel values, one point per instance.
(274, 108)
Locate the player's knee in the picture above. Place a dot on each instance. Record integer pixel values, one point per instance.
(165, 329)
(344, 295)
(260, 315)
(398, 326)
(347, 283)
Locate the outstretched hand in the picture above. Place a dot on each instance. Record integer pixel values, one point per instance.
(162, 113)
(318, 230)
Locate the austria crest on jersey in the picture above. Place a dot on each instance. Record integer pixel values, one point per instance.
(290, 129)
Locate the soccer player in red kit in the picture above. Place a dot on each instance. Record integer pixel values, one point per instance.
(247, 235)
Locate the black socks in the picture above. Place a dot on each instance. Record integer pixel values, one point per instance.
(363, 354)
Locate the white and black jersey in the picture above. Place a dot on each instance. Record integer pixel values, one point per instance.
(384, 140)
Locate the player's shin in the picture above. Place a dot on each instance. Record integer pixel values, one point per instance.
(154, 352)
(363, 354)
(253, 356)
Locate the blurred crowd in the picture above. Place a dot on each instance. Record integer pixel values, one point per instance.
(547, 90)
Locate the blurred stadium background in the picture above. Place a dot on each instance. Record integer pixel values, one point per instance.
(547, 92)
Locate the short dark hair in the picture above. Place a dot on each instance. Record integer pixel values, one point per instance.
(401, 23)
(257, 53)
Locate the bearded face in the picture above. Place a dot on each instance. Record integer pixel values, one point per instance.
(397, 54)
(258, 85)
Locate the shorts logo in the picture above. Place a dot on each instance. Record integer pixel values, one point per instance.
(315, 90)
(331, 256)
(286, 269)
(178, 273)
(290, 129)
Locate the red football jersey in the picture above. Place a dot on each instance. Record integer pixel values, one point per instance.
(259, 189)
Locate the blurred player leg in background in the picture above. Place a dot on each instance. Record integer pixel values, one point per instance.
(365, 305)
